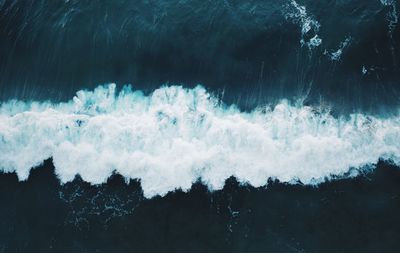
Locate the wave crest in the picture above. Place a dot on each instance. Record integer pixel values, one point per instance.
(174, 136)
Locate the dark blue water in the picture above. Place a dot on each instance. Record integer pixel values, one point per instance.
(249, 49)
(342, 57)
(350, 215)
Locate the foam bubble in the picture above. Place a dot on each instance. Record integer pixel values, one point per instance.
(174, 136)
(336, 55)
(309, 26)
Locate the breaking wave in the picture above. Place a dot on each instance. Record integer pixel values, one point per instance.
(175, 136)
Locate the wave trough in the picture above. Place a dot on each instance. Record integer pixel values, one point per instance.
(175, 136)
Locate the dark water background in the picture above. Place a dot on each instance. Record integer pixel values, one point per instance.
(248, 53)
(51, 49)
(349, 215)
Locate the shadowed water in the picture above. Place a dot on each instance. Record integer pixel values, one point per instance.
(349, 215)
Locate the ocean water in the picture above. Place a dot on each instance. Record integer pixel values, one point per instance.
(199, 126)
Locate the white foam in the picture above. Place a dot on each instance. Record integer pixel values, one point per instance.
(298, 15)
(174, 136)
(337, 54)
(392, 15)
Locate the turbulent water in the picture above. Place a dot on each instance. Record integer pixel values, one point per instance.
(175, 120)
(185, 132)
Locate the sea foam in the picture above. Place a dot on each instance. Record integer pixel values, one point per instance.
(176, 136)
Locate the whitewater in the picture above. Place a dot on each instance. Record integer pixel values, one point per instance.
(175, 136)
